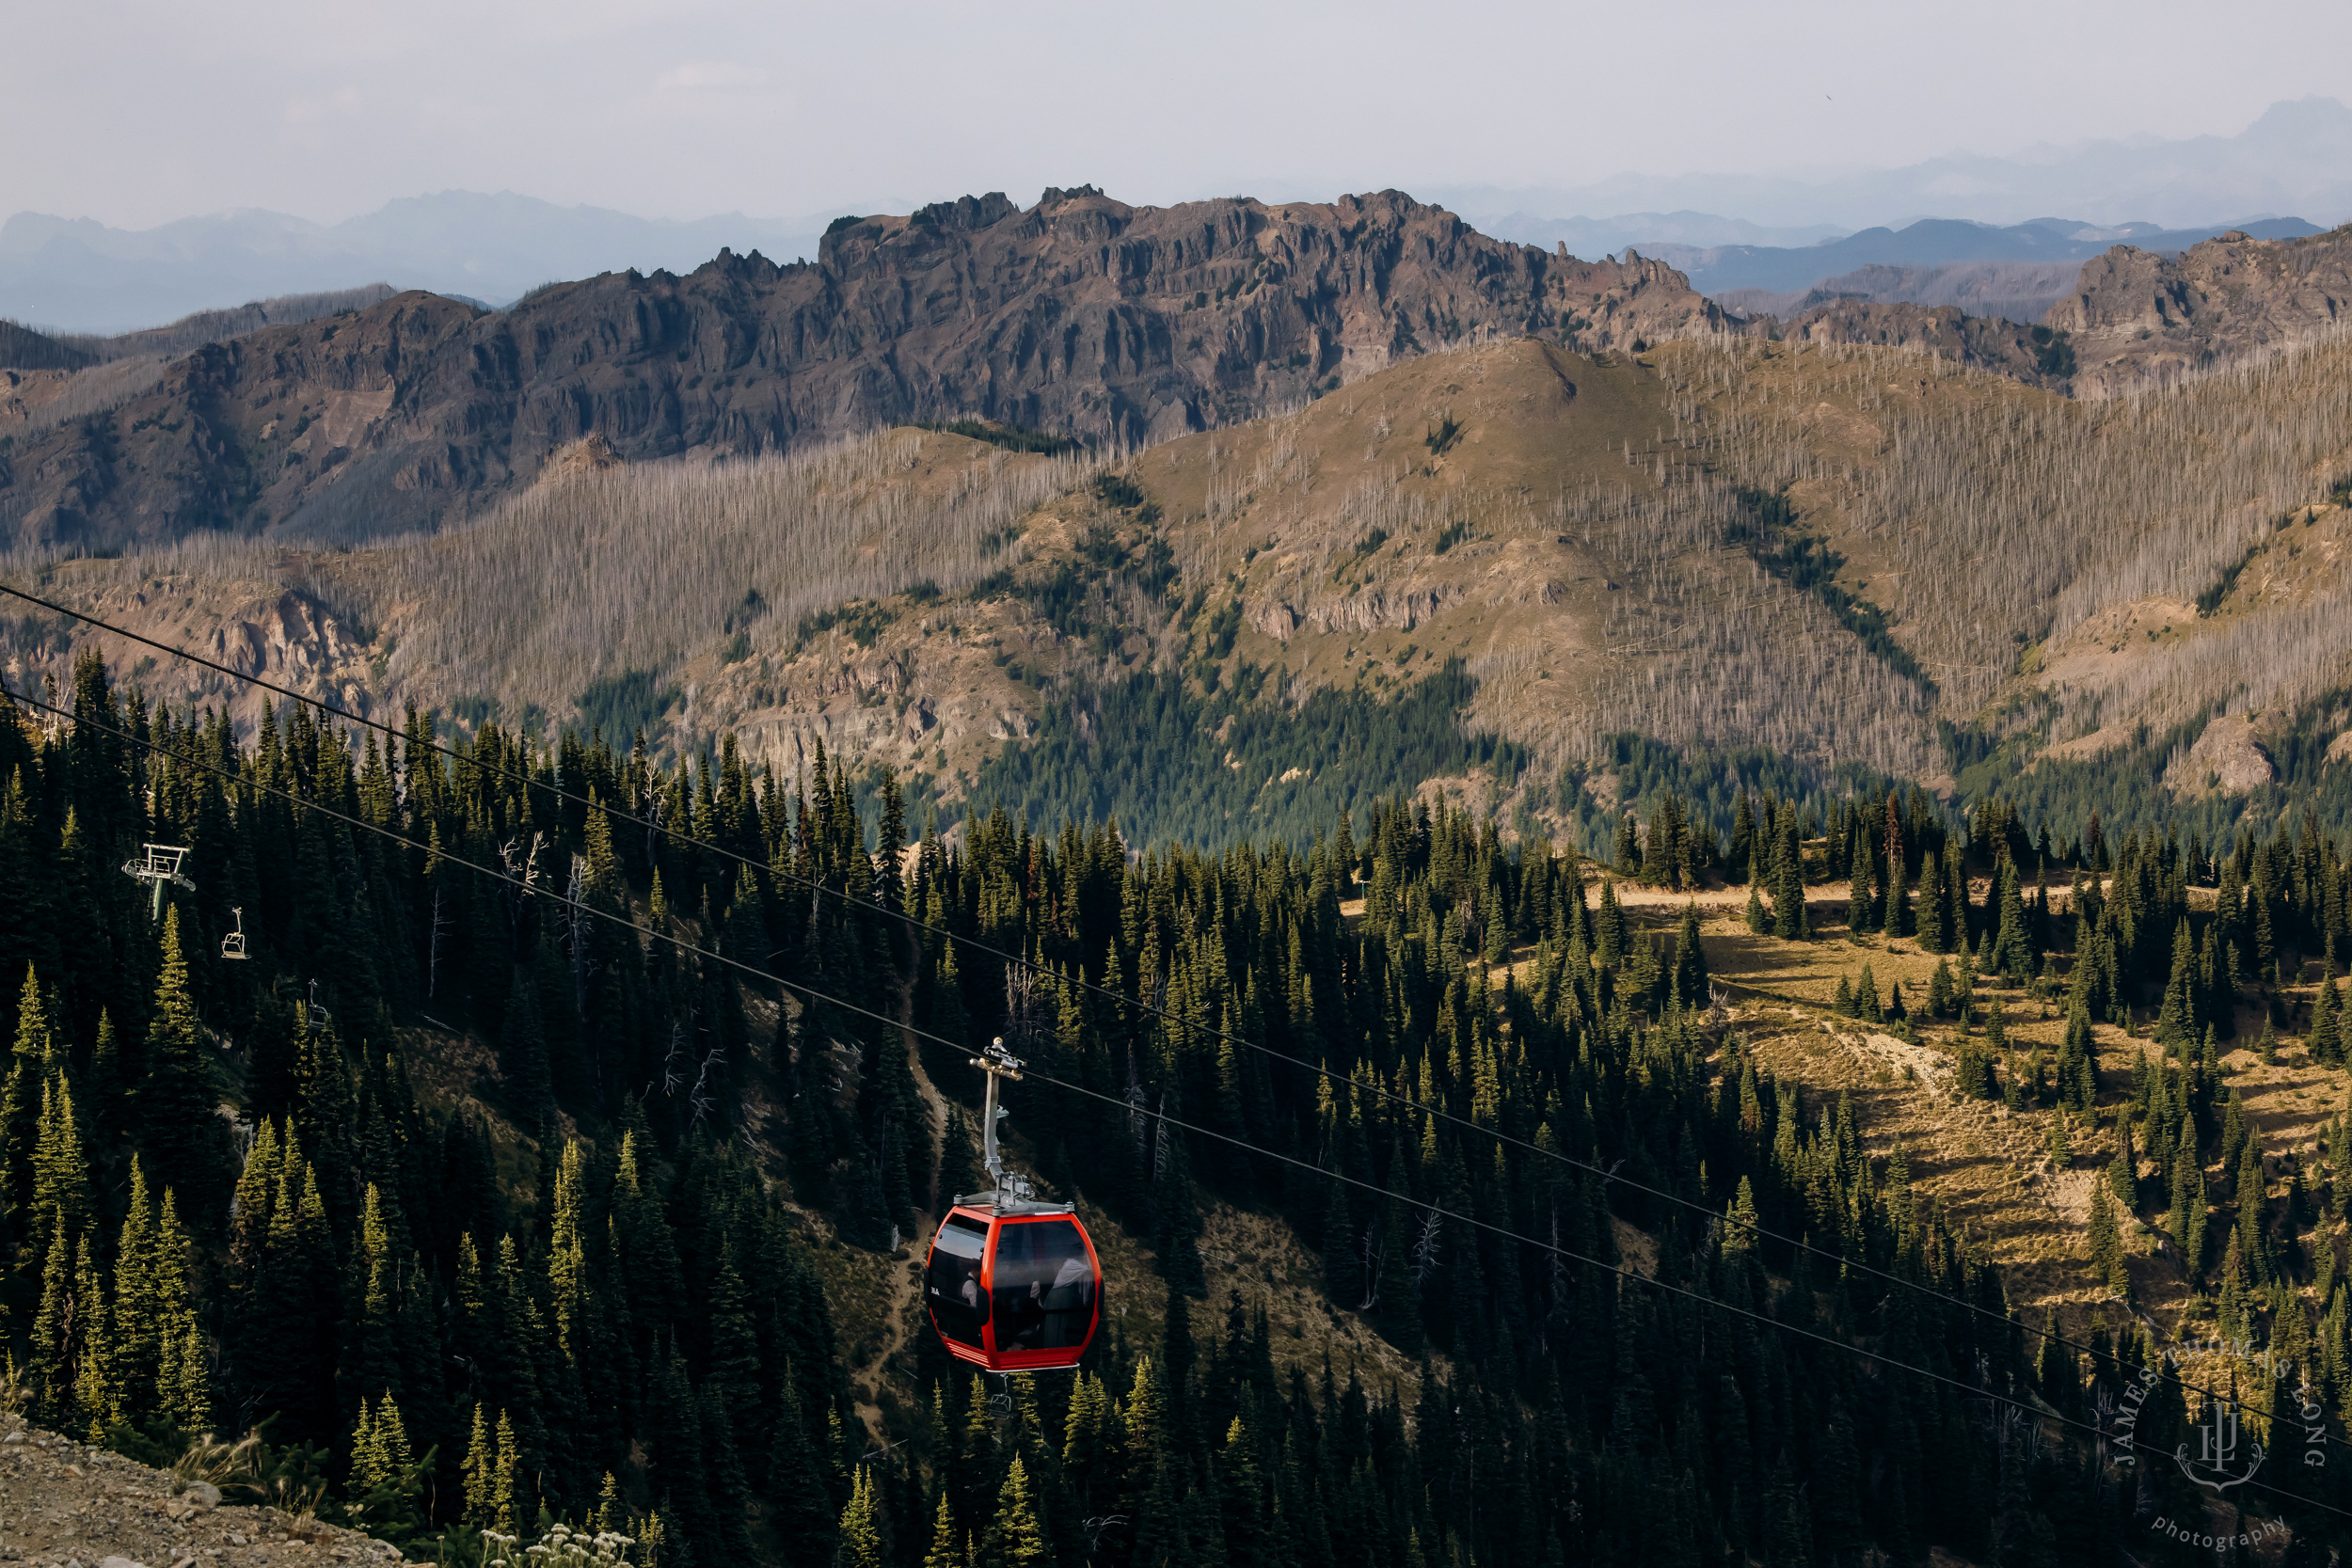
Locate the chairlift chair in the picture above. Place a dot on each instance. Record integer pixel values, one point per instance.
(232, 944)
(160, 865)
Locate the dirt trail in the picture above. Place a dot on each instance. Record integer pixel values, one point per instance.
(63, 1503)
(905, 1317)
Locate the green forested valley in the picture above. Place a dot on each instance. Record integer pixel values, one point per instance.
(503, 1186)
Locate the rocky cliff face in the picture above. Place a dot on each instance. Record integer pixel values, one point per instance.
(1080, 314)
(2136, 318)
(1987, 342)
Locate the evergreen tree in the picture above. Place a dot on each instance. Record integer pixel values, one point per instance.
(510, 1511)
(1858, 899)
(1788, 916)
(29, 1066)
(2012, 940)
(1626, 853)
(948, 1546)
(1015, 1537)
(1743, 839)
(1690, 976)
(2322, 1038)
(1935, 935)
(1898, 920)
(177, 1092)
(387, 1484)
(2122, 1172)
(1609, 929)
(799, 1498)
(1955, 923)
(480, 1478)
(860, 1526)
(152, 1317)
(523, 1051)
(2177, 1019)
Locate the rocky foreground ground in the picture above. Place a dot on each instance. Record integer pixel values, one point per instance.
(65, 1505)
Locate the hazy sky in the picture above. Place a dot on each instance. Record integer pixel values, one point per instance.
(135, 112)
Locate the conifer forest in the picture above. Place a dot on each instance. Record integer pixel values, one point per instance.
(1639, 1296)
(779, 793)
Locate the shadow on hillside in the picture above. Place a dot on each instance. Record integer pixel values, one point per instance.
(1739, 956)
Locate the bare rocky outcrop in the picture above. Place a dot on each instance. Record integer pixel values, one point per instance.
(1080, 315)
(287, 637)
(1988, 343)
(590, 455)
(68, 1502)
(2136, 318)
(2227, 756)
(254, 625)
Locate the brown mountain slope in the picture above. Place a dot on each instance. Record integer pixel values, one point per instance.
(1081, 314)
(1535, 514)
(920, 598)
(1589, 534)
(1995, 526)
(232, 436)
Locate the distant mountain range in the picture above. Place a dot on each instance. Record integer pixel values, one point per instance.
(81, 276)
(1648, 231)
(1938, 243)
(2296, 158)
(78, 275)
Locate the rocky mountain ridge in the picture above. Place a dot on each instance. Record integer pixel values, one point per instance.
(1081, 315)
(2138, 319)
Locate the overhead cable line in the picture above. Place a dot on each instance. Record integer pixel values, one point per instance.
(917, 1031)
(1078, 979)
(528, 885)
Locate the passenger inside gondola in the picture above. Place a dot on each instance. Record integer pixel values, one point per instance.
(1045, 1285)
(958, 1305)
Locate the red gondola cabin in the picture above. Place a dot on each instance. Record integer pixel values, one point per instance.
(1013, 1286)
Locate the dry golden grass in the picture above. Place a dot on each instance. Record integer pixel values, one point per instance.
(1988, 1166)
(1258, 1257)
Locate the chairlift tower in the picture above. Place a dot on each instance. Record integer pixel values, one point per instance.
(161, 865)
(1010, 1186)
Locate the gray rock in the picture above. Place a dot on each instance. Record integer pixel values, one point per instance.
(2229, 756)
(204, 1494)
(1145, 355)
